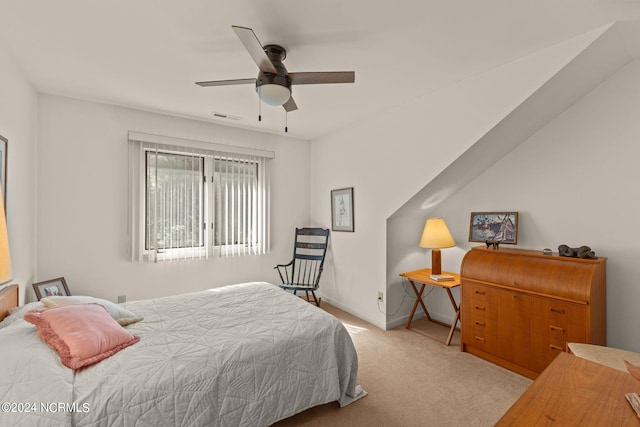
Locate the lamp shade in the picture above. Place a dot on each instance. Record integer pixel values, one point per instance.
(436, 234)
(5, 259)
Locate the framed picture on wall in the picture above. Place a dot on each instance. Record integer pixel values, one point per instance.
(499, 227)
(342, 209)
(3, 168)
(53, 287)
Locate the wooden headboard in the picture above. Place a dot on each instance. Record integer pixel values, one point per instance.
(8, 300)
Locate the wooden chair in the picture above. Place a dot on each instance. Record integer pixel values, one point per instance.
(303, 272)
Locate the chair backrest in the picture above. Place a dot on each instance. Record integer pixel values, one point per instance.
(309, 252)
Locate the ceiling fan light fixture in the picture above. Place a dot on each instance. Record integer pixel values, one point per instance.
(273, 94)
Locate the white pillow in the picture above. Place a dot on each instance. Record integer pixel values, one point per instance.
(17, 313)
(120, 314)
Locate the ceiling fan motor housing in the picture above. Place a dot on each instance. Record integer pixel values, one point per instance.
(276, 54)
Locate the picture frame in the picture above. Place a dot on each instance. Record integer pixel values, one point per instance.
(53, 287)
(342, 218)
(4, 145)
(494, 227)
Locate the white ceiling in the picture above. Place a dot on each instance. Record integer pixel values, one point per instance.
(147, 54)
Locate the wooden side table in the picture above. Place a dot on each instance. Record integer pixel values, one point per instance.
(422, 277)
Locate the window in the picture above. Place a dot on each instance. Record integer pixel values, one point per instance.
(174, 194)
(190, 201)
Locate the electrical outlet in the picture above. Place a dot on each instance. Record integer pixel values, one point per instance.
(380, 296)
(122, 298)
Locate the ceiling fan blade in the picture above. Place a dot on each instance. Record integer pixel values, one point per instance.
(255, 49)
(290, 105)
(322, 77)
(226, 82)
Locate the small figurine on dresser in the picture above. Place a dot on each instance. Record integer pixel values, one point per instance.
(581, 252)
(492, 243)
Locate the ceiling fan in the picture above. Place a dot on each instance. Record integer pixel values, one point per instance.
(274, 82)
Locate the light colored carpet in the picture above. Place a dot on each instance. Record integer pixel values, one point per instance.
(413, 381)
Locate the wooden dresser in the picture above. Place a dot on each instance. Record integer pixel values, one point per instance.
(519, 308)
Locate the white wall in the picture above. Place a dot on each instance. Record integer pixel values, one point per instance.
(574, 182)
(82, 195)
(389, 158)
(18, 122)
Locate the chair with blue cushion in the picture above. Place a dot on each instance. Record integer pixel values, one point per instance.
(303, 272)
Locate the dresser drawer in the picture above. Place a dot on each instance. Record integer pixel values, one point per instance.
(479, 292)
(481, 326)
(482, 296)
(559, 330)
(481, 311)
(546, 344)
(545, 350)
(478, 310)
(562, 313)
(482, 341)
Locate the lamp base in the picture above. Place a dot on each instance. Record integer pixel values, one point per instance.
(436, 262)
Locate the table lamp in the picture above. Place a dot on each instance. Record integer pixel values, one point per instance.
(5, 258)
(436, 235)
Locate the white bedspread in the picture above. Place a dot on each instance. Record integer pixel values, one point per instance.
(241, 355)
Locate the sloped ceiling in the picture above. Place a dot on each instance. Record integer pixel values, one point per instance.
(148, 54)
(610, 51)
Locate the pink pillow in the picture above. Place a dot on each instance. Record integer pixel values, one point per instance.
(81, 334)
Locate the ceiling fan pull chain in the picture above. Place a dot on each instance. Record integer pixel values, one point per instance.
(286, 121)
(259, 104)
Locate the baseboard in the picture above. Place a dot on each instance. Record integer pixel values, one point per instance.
(401, 321)
(349, 310)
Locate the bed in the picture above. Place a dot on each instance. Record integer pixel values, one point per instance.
(241, 355)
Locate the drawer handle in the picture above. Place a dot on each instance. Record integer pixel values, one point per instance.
(479, 292)
(479, 307)
(479, 339)
(555, 347)
(557, 310)
(556, 328)
(479, 323)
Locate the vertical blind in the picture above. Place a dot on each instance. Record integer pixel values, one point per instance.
(241, 189)
(189, 202)
(174, 205)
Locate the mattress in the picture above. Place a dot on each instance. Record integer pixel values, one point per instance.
(241, 355)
